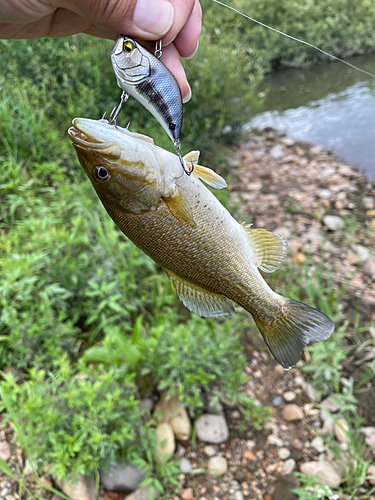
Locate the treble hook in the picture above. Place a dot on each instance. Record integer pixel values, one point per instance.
(116, 111)
(182, 161)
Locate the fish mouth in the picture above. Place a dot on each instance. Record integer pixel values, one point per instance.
(88, 134)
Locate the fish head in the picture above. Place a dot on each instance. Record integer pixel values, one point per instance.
(130, 61)
(121, 165)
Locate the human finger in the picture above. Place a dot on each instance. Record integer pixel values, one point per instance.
(182, 12)
(187, 40)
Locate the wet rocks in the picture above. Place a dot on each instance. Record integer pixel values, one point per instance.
(212, 428)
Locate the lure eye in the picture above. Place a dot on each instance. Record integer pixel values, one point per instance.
(101, 173)
(128, 46)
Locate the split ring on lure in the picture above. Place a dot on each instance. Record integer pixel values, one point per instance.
(143, 76)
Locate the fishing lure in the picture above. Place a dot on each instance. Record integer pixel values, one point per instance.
(143, 76)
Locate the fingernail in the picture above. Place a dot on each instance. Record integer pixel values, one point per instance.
(188, 95)
(154, 16)
(193, 54)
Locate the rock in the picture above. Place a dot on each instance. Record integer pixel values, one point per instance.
(275, 441)
(143, 494)
(5, 451)
(249, 455)
(318, 444)
(187, 494)
(327, 473)
(185, 466)
(146, 404)
(333, 222)
(277, 401)
(371, 474)
(369, 433)
(284, 453)
(352, 258)
(288, 141)
(217, 466)
(299, 258)
(289, 396)
(369, 267)
(277, 152)
(289, 466)
(165, 441)
(209, 451)
(324, 194)
(310, 392)
(174, 415)
(330, 405)
(340, 430)
(292, 412)
(212, 428)
(362, 252)
(284, 486)
(254, 186)
(122, 477)
(368, 299)
(85, 489)
(238, 495)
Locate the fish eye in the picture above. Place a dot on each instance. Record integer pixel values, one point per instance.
(128, 46)
(101, 173)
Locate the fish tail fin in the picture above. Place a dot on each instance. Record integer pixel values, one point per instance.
(292, 329)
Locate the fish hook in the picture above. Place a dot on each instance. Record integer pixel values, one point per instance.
(116, 111)
(182, 161)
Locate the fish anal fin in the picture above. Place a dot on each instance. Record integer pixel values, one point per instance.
(270, 248)
(199, 301)
(292, 330)
(179, 208)
(206, 174)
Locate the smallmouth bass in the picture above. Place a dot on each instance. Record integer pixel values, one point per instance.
(210, 258)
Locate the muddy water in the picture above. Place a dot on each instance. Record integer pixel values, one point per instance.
(332, 105)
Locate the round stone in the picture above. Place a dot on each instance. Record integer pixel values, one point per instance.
(217, 466)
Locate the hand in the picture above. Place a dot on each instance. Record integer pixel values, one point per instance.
(177, 22)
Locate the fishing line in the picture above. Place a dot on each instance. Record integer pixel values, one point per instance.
(296, 39)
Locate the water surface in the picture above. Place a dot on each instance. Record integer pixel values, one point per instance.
(332, 105)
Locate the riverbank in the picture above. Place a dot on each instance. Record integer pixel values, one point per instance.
(326, 210)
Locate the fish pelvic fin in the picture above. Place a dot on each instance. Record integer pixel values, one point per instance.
(206, 174)
(200, 301)
(292, 330)
(179, 208)
(270, 248)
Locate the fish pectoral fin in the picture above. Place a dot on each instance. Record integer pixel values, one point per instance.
(270, 248)
(206, 174)
(179, 207)
(200, 301)
(292, 330)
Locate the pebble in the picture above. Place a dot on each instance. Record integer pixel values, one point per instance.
(333, 222)
(175, 415)
(212, 428)
(209, 451)
(122, 477)
(371, 473)
(318, 444)
(84, 489)
(340, 430)
(5, 452)
(310, 392)
(238, 495)
(299, 258)
(369, 267)
(292, 412)
(327, 473)
(217, 466)
(165, 441)
(289, 396)
(187, 494)
(316, 150)
(362, 252)
(11, 497)
(142, 494)
(369, 433)
(324, 194)
(277, 152)
(330, 405)
(277, 401)
(284, 231)
(273, 440)
(289, 466)
(185, 466)
(284, 453)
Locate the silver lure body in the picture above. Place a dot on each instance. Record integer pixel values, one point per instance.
(143, 76)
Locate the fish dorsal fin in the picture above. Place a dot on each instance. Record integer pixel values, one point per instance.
(270, 248)
(179, 207)
(206, 174)
(200, 301)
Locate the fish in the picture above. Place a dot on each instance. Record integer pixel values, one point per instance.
(210, 258)
(143, 76)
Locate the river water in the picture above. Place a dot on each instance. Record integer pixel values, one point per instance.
(331, 105)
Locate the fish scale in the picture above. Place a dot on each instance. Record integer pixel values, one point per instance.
(210, 258)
